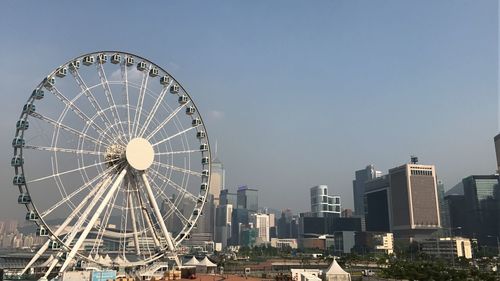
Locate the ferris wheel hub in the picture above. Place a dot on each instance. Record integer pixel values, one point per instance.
(139, 153)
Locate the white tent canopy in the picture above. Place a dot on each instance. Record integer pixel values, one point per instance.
(336, 273)
(206, 262)
(192, 261)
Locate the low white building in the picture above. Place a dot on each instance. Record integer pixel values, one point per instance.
(447, 247)
(284, 243)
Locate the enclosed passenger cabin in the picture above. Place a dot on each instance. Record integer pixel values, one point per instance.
(115, 58)
(205, 173)
(204, 186)
(88, 60)
(81, 264)
(61, 72)
(196, 122)
(49, 82)
(19, 180)
(183, 99)
(63, 256)
(22, 124)
(203, 147)
(102, 58)
(153, 72)
(31, 216)
(54, 245)
(18, 142)
(174, 89)
(205, 160)
(37, 94)
(16, 161)
(129, 61)
(190, 110)
(165, 80)
(186, 236)
(29, 108)
(41, 231)
(23, 198)
(74, 65)
(196, 212)
(141, 66)
(201, 135)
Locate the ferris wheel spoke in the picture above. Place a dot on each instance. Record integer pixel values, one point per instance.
(179, 152)
(177, 187)
(90, 96)
(131, 207)
(70, 171)
(152, 114)
(109, 96)
(94, 218)
(103, 224)
(71, 105)
(146, 219)
(66, 128)
(157, 212)
(176, 135)
(140, 100)
(178, 169)
(164, 122)
(60, 149)
(124, 74)
(166, 199)
(77, 191)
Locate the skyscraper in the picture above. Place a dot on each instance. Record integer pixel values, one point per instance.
(217, 179)
(414, 200)
(358, 187)
(262, 224)
(497, 150)
(322, 203)
(247, 199)
(481, 196)
(377, 209)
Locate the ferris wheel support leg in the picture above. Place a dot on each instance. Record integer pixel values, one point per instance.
(134, 223)
(147, 217)
(93, 220)
(153, 203)
(56, 233)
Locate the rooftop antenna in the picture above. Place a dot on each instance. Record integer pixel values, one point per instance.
(413, 159)
(215, 148)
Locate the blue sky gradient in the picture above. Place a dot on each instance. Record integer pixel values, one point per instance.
(296, 93)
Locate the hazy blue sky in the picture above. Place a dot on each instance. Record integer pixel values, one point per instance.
(297, 93)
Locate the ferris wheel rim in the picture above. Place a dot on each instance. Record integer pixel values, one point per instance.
(31, 206)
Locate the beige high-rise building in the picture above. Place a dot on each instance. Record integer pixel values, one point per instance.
(414, 200)
(217, 179)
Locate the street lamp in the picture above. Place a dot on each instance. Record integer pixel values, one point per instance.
(498, 244)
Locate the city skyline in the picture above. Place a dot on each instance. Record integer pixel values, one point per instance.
(292, 108)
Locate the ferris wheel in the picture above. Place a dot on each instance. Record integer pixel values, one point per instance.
(112, 162)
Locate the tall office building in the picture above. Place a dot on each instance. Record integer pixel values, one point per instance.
(322, 203)
(262, 224)
(358, 187)
(223, 221)
(377, 205)
(482, 201)
(227, 198)
(443, 209)
(247, 199)
(217, 179)
(497, 151)
(414, 200)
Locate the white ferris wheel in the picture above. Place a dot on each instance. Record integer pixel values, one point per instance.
(111, 159)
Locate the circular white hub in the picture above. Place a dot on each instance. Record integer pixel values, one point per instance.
(139, 153)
